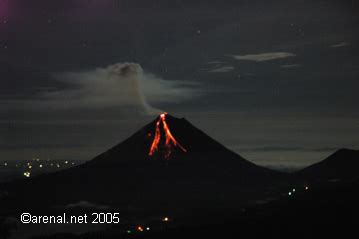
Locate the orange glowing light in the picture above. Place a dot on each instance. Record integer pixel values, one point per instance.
(169, 139)
(139, 228)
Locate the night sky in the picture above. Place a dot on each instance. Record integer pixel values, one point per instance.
(276, 81)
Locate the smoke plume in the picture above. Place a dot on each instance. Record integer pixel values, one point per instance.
(123, 85)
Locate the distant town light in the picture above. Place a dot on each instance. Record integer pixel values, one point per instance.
(139, 228)
(165, 219)
(30, 167)
(27, 174)
(290, 193)
(5, 164)
(306, 188)
(128, 231)
(147, 228)
(66, 162)
(40, 165)
(293, 189)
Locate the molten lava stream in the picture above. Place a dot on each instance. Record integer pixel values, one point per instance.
(169, 139)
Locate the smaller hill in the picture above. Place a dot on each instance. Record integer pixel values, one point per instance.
(341, 165)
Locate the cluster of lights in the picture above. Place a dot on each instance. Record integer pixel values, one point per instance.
(290, 193)
(37, 163)
(141, 228)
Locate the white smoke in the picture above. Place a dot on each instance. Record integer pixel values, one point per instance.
(118, 85)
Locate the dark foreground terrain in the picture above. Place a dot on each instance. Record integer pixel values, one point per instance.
(200, 190)
(324, 210)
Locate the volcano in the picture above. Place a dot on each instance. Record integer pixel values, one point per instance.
(341, 165)
(168, 162)
(171, 142)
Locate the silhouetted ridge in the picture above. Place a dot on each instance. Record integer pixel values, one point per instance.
(342, 164)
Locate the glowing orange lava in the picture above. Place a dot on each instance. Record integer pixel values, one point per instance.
(169, 139)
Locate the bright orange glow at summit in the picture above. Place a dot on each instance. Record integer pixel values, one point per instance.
(169, 139)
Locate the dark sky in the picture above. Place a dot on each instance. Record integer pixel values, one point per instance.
(276, 81)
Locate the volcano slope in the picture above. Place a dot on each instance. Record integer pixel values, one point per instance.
(168, 163)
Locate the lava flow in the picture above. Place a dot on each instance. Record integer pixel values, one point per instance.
(170, 141)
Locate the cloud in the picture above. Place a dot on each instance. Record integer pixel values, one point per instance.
(263, 56)
(222, 69)
(290, 66)
(123, 85)
(341, 44)
(88, 205)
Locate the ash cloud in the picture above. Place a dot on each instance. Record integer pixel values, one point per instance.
(124, 85)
